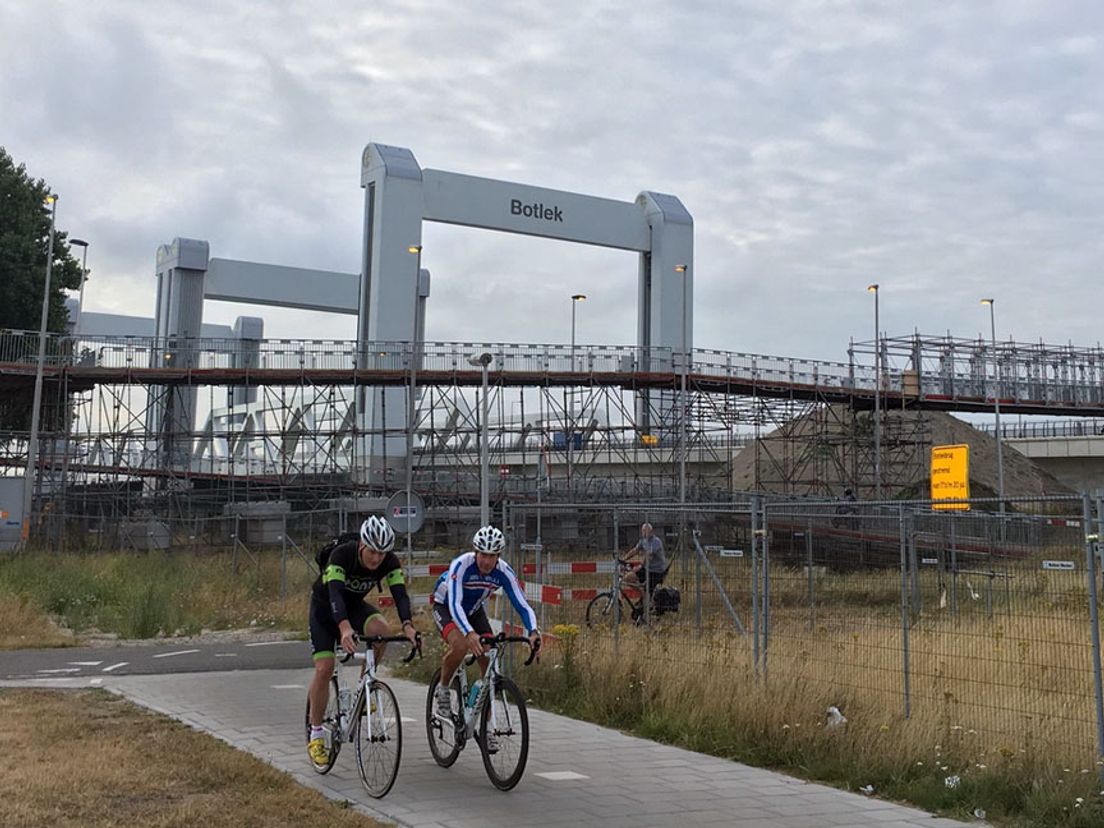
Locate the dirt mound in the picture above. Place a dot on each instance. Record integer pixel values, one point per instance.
(831, 449)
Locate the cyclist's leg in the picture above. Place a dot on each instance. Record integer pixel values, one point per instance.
(376, 624)
(323, 638)
(482, 625)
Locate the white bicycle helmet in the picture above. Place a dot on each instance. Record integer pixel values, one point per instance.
(376, 533)
(489, 539)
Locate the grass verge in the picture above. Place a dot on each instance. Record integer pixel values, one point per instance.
(938, 761)
(136, 595)
(92, 759)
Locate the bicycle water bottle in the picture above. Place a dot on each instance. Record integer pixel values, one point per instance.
(345, 701)
(473, 692)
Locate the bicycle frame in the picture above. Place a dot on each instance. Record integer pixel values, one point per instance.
(346, 719)
(470, 715)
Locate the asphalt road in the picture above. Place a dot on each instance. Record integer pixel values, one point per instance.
(153, 659)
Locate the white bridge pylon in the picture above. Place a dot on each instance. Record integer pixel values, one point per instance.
(389, 294)
(399, 195)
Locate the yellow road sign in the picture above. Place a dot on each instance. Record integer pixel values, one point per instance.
(950, 476)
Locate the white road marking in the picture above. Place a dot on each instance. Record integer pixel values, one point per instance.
(289, 687)
(85, 663)
(175, 653)
(96, 681)
(407, 719)
(271, 643)
(61, 670)
(561, 776)
(226, 655)
(116, 666)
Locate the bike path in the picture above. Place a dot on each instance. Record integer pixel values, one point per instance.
(577, 774)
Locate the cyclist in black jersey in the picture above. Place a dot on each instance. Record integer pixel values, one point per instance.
(338, 611)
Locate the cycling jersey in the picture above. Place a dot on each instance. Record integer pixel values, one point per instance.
(464, 590)
(346, 578)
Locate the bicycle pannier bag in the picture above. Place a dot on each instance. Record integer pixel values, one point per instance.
(666, 599)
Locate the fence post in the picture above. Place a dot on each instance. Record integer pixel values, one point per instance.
(697, 588)
(904, 609)
(755, 583)
(234, 545)
(809, 572)
(765, 563)
(1091, 539)
(283, 561)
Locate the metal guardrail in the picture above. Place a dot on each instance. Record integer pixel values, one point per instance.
(1018, 383)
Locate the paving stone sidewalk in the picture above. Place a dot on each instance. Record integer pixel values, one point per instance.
(614, 780)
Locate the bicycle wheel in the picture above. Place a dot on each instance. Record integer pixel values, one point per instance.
(602, 611)
(505, 719)
(331, 722)
(443, 741)
(378, 737)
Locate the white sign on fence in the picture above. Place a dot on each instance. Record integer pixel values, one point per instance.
(929, 561)
(1059, 565)
(532, 547)
(732, 553)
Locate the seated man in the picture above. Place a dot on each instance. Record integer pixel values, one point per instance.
(457, 606)
(338, 611)
(654, 566)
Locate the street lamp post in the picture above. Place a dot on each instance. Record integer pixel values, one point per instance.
(483, 361)
(412, 407)
(576, 298)
(84, 278)
(877, 399)
(36, 407)
(996, 402)
(684, 270)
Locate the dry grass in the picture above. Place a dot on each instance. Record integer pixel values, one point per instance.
(24, 625)
(90, 759)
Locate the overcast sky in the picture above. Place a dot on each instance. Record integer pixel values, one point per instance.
(946, 150)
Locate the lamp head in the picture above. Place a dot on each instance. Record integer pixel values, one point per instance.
(78, 242)
(681, 268)
(578, 297)
(987, 302)
(872, 288)
(481, 360)
(414, 248)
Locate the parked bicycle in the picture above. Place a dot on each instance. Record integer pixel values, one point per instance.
(603, 610)
(367, 716)
(492, 711)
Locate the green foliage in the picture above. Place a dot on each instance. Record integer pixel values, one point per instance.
(24, 242)
(144, 595)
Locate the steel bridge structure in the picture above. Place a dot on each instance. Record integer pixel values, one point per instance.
(288, 421)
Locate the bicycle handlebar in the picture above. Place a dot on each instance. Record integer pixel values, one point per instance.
(491, 641)
(371, 640)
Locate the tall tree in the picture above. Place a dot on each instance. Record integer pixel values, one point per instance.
(24, 245)
(24, 241)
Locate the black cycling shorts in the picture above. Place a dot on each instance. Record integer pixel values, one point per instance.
(443, 619)
(324, 632)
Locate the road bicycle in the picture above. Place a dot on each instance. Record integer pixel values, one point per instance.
(603, 610)
(367, 716)
(493, 707)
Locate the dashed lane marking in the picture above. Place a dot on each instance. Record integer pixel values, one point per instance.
(271, 643)
(175, 653)
(96, 681)
(85, 663)
(226, 655)
(61, 670)
(288, 687)
(561, 776)
(115, 666)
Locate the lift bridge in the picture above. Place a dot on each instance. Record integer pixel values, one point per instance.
(281, 415)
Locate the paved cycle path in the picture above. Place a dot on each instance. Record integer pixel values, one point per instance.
(578, 774)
